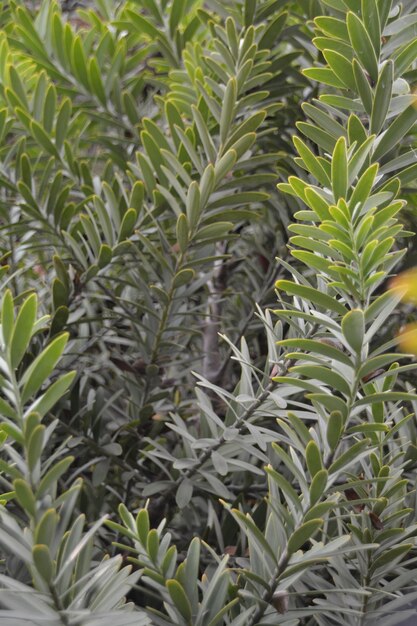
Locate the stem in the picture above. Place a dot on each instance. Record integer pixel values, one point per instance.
(166, 311)
(269, 594)
(58, 605)
(349, 404)
(365, 600)
(240, 425)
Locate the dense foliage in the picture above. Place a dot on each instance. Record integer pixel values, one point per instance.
(205, 416)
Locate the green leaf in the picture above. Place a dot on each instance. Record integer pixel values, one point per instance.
(317, 347)
(390, 556)
(59, 294)
(228, 109)
(333, 27)
(193, 205)
(313, 458)
(14, 432)
(350, 455)
(79, 61)
(55, 392)
(370, 17)
(104, 256)
(210, 101)
(249, 12)
(182, 277)
(253, 533)
(382, 97)
(370, 428)
(334, 429)
(31, 422)
(142, 525)
(219, 463)
(129, 105)
(17, 86)
(154, 153)
(318, 204)
(329, 401)
(342, 102)
(317, 486)
(300, 536)
(217, 231)
(206, 185)
(324, 75)
(49, 109)
(319, 510)
(359, 157)
(175, 16)
(179, 598)
(182, 232)
(342, 68)
(7, 317)
(298, 382)
(224, 165)
(127, 226)
(43, 561)
(45, 528)
(362, 44)
(324, 374)
(23, 329)
(312, 163)
(356, 130)
(205, 137)
(41, 368)
(273, 30)
(42, 138)
(313, 260)
(353, 327)
(25, 497)
(248, 126)
(62, 122)
(7, 411)
(395, 132)
(35, 446)
(363, 86)
(363, 187)
(386, 396)
(324, 120)
(242, 145)
(52, 476)
(404, 59)
(374, 363)
(339, 170)
(95, 81)
(284, 485)
(384, 9)
(142, 25)
(155, 132)
(311, 294)
(321, 137)
(184, 493)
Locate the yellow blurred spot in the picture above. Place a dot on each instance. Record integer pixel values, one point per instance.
(408, 339)
(406, 284)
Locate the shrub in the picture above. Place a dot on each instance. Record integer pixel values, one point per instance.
(174, 449)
